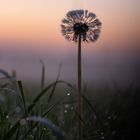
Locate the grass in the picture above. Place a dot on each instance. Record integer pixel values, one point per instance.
(110, 112)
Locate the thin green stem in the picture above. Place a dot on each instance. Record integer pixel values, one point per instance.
(79, 88)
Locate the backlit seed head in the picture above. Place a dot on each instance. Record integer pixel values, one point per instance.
(81, 23)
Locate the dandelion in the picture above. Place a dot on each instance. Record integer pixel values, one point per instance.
(81, 24)
(78, 26)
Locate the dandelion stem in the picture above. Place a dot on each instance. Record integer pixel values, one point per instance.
(79, 88)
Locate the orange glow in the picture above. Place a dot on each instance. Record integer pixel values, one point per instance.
(39, 21)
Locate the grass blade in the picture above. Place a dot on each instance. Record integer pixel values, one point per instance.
(11, 132)
(42, 75)
(43, 93)
(79, 117)
(22, 95)
(54, 87)
(56, 131)
(95, 112)
(44, 114)
(7, 76)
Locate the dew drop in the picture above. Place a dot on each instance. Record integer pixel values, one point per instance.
(31, 136)
(68, 94)
(18, 109)
(71, 107)
(11, 126)
(67, 106)
(22, 122)
(102, 137)
(109, 117)
(102, 133)
(95, 117)
(44, 129)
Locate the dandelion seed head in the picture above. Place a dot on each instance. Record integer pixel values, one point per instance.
(81, 23)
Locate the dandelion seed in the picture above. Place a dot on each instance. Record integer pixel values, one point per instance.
(65, 111)
(7, 116)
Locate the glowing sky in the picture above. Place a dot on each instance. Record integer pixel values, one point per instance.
(39, 20)
(30, 27)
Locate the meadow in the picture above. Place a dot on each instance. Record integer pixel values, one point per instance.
(96, 96)
(48, 112)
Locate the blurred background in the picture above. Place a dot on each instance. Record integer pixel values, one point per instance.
(30, 31)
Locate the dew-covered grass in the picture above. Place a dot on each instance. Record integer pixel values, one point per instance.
(48, 111)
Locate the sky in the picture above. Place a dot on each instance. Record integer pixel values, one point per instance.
(30, 30)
